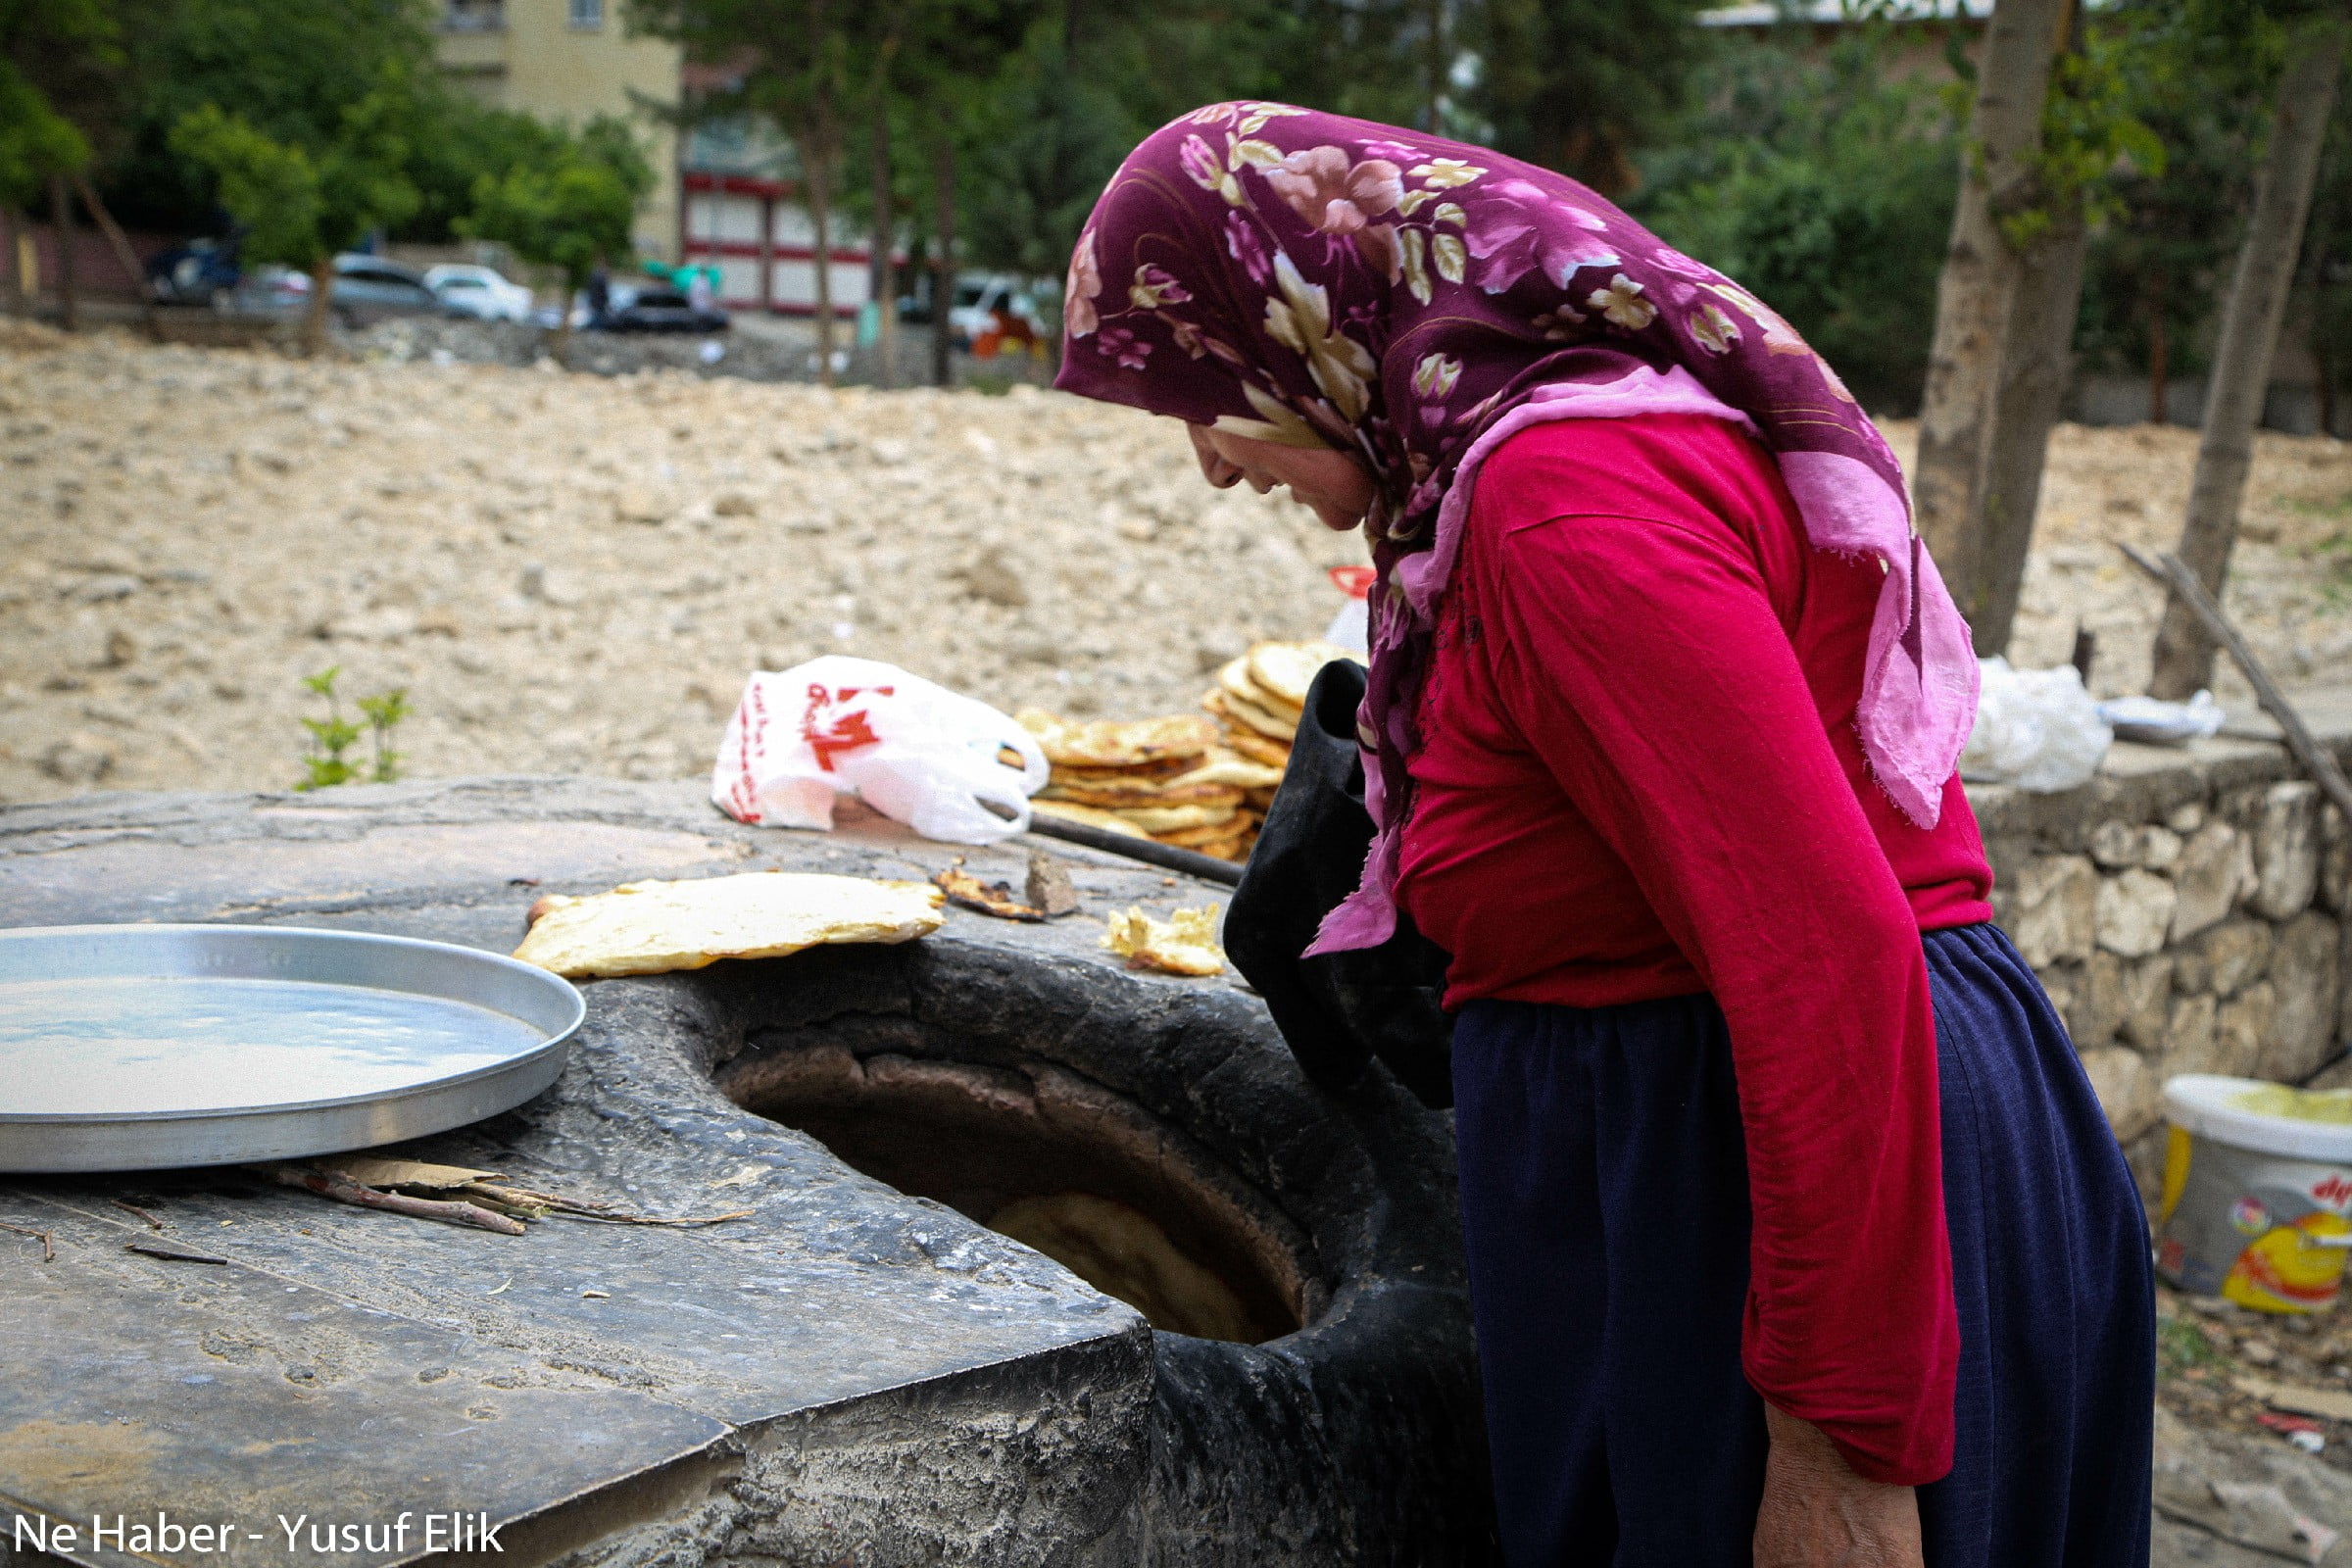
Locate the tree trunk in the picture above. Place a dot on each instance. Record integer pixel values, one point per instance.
(2037, 362)
(817, 175)
(120, 242)
(61, 216)
(560, 349)
(2322, 358)
(2160, 366)
(943, 261)
(313, 320)
(2241, 360)
(1976, 296)
(882, 285)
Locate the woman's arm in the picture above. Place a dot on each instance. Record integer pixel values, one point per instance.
(1644, 662)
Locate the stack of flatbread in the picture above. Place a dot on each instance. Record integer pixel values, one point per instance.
(1260, 697)
(1199, 783)
(1169, 779)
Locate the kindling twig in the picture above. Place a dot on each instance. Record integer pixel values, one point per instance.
(48, 1244)
(344, 1190)
(173, 1251)
(153, 1223)
(2317, 759)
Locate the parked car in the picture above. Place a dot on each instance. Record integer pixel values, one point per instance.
(636, 309)
(481, 292)
(203, 272)
(369, 288)
(996, 302)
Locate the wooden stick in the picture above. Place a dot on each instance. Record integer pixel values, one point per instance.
(2317, 759)
(153, 1223)
(344, 1190)
(173, 1253)
(1208, 868)
(48, 1246)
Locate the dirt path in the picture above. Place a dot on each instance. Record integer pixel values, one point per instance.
(569, 573)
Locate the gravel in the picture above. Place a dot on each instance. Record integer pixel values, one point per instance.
(573, 574)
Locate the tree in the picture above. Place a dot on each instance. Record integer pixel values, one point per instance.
(301, 200)
(1583, 85)
(2241, 360)
(2167, 232)
(790, 63)
(289, 69)
(2049, 119)
(60, 77)
(567, 208)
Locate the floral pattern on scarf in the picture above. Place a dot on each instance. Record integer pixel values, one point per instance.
(1318, 282)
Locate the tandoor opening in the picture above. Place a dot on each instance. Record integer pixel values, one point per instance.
(1059, 1164)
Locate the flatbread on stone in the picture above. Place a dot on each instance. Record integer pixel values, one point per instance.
(1114, 743)
(655, 927)
(1185, 943)
(1285, 671)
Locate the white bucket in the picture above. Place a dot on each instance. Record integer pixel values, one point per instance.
(2257, 1190)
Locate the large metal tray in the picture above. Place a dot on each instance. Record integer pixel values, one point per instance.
(139, 1047)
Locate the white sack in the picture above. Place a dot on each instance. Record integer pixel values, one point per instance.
(2035, 728)
(911, 748)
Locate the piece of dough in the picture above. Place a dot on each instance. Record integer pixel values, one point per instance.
(653, 927)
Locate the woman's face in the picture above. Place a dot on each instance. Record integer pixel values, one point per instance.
(1336, 485)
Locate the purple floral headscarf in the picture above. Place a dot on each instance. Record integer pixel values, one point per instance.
(1319, 281)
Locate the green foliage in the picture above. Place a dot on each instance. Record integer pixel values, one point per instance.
(324, 764)
(301, 200)
(2197, 74)
(565, 202)
(2181, 1346)
(289, 69)
(1826, 184)
(2093, 136)
(1585, 87)
(59, 61)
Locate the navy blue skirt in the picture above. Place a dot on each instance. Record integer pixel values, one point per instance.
(1604, 1204)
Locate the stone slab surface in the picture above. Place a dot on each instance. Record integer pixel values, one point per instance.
(588, 1380)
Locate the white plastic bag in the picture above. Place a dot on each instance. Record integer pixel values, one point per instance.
(2035, 728)
(911, 749)
(2155, 722)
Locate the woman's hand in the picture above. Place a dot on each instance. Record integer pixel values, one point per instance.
(1817, 1514)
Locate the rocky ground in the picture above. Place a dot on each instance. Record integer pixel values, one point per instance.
(573, 572)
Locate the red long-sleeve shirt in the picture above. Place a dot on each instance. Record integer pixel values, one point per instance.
(1640, 778)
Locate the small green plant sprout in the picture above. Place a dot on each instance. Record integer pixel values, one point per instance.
(325, 763)
(385, 713)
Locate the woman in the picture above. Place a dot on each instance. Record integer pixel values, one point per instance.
(1795, 1233)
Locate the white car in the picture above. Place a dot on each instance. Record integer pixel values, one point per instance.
(980, 297)
(479, 292)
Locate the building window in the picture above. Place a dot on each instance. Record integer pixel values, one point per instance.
(474, 16)
(587, 15)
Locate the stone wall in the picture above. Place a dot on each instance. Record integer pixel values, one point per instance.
(2187, 912)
